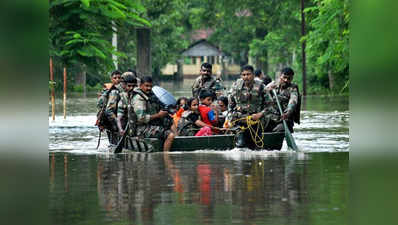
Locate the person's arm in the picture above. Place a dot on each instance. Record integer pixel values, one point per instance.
(271, 86)
(111, 106)
(213, 116)
(200, 123)
(139, 105)
(291, 106)
(196, 120)
(158, 115)
(265, 97)
(121, 112)
(195, 88)
(231, 98)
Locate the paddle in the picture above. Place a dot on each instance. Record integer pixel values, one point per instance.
(289, 137)
(119, 146)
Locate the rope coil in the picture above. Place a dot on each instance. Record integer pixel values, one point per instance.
(256, 138)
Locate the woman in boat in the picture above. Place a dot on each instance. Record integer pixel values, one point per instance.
(191, 124)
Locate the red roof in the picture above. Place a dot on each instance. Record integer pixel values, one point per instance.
(201, 34)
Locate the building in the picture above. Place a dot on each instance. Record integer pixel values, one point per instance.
(199, 52)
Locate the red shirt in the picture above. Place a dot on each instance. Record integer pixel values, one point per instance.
(204, 114)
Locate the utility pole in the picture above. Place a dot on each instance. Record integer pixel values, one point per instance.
(114, 43)
(303, 45)
(52, 89)
(64, 92)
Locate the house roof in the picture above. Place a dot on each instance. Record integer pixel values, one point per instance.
(201, 34)
(202, 48)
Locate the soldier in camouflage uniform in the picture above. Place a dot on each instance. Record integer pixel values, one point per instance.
(246, 98)
(150, 117)
(289, 98)
(206, 81)
(134, 74)
(125, 111)
(106, 105)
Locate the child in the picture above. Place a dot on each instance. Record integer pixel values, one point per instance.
(222, 105)
(208, 115)
(190, 121)
(181, 104)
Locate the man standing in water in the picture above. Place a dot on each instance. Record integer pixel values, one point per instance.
(107, 105)
(150, 117)
(246, 98)
(206, 81)
(289, 98)
(125, 113)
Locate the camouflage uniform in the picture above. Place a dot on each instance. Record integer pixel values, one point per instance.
(145, 106)
(244, 101)
(110, 113)
(125, 110)
(288, 98)
(213, 84)
(103, 96)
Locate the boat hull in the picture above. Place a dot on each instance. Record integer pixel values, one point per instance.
(272, 141)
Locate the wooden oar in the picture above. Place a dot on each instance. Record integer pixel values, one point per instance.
(119, 146)
(289, 137)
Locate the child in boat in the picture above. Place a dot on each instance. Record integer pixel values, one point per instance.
(208, 115)
(191, 124)
(222, 106)
(181, 106)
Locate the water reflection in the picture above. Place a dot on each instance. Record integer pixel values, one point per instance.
(89, 186)
(198, 188)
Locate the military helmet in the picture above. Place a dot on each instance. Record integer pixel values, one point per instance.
(128, 77)
(126, 73)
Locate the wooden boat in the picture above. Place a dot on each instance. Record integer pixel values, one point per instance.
(272, 141)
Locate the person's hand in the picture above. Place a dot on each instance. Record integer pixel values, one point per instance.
(271, 86)
(162, 113)
(284, 116)
(257, 116)
(121, 132)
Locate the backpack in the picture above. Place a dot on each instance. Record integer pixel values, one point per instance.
(102, 122)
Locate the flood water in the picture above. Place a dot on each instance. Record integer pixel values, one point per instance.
(90, 186)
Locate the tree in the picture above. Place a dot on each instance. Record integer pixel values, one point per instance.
(80, 31)
(168, 31)
(328, 41)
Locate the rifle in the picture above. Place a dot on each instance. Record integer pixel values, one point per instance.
(119, 146)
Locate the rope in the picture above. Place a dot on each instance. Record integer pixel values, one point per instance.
(256, 138)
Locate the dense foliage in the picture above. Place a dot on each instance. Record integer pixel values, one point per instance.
(80, 33)
(266, 34)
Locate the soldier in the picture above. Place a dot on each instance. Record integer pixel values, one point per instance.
(246, 98)
(259, 75)
(103, 96)
(134, 73)
(106, 116)
(206, 81)
(289, 98)
(150, 117)
(125, 113)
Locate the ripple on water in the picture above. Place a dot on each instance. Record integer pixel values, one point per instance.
(318, 132)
